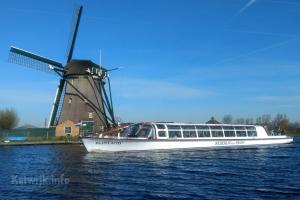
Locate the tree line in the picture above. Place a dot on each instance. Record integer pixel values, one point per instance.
(8, 119)
(279, 122)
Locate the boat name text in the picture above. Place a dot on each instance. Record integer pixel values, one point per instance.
(229, 142)
(108, 142)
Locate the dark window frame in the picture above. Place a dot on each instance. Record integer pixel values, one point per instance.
(178, 135)
(165, 133)
(160, 125)
(217, 131)
(204, 133)
(241, 131)
(229, 131)
(191, 134)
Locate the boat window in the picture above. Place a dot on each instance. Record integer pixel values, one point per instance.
(241, 134)
(160, 126)
(250, 128)
(203, 127)
(252, 133)
(217, 133)
(240, 128)
(174, 134)
(131, 130)
(228, 127)
(203, 134)
(216, 127)
(229, 133)
(144, 131)
(138, 130)
(162, 134)
(173, 126)
(190, 127)
(189, 134)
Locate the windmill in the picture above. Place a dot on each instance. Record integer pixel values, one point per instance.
(83, 93)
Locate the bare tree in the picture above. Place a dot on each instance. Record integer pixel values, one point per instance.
(249, 121)
(240, 121)
(258, 120)
(8, 119)
(227, 119)
(266, 120)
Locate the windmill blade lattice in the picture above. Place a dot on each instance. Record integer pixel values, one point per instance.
(30, 60)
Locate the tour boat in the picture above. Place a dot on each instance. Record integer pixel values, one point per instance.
(155, 136)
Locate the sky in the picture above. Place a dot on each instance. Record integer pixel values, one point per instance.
(182, 61)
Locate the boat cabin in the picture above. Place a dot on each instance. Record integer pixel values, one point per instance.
(189, 131)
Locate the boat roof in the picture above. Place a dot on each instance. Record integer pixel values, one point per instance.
(193, 124)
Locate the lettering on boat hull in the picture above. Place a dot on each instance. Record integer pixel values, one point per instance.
(222, 143)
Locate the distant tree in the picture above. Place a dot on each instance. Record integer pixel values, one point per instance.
(280, 122)
(227, 119)
(266, 120)
(240, 121)
(293, 128)
(249, 121)
(259, 121)
(8, 119)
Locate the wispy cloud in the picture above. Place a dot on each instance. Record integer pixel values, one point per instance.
(248, 5)
(245, 7)
(153, 89)
(261, 33)
(276, 99)
(276, 45)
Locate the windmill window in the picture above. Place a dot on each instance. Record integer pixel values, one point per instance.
(68, 130)
(70, 100)
(90, 115)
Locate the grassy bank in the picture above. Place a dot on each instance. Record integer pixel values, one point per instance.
(43, 140)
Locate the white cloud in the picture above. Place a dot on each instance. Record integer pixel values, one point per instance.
(137, 88)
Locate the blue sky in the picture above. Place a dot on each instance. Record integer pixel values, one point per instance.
(181, 60)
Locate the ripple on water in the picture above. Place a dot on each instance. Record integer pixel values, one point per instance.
(253, 173)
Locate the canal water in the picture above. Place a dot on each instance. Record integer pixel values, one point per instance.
(69, 172)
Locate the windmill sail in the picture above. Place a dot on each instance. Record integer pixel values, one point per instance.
(57, 103)
(74, 31)
(28, 59)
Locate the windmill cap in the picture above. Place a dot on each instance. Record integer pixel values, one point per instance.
(80, 67)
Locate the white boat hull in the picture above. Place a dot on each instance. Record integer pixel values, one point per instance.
(125, 144)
